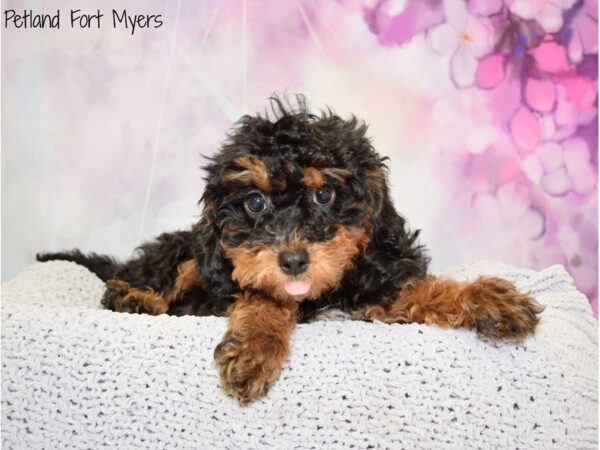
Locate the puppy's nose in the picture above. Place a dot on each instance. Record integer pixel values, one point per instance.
(293, 262)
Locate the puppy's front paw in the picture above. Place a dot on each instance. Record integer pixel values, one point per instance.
(249, 365)
(502, 311)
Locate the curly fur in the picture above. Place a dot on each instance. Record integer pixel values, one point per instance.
(363, 259)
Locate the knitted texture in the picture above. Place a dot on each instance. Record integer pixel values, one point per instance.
(76, 376)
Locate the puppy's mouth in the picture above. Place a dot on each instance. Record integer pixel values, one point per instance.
(288, 273)
(297, 287)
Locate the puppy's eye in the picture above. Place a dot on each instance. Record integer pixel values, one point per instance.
(324, 195)
(255, 203)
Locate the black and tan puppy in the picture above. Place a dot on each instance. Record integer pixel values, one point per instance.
(297, 219)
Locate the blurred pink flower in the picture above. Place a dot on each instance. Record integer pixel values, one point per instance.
(397, 22)
(548, 13)
(566, 167)
(551, 57)
(575, 106)
(540, 95)
(584, 31)
(577, 237)
(465, 37)
(490, 71)
(541, 89)
(485, 7)
(560, 101)
(525, 130)
(580, 91)
(510, 208)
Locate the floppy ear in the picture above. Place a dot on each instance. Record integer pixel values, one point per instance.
(377, 189)
(389, 231)
(215, 270)
(382, 214)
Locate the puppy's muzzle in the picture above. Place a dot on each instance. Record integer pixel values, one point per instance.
(293, 262)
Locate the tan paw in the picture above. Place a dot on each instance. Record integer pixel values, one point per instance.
(249, 366)
(502, 312)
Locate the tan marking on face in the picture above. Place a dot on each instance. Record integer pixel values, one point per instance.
(255, 172)
(337, 174)
(258, 267)
(315, 178)
(312, 177)
(329, 260)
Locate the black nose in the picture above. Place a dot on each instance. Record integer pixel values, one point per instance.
(293, 262)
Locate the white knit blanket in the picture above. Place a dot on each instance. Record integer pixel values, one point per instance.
(76, 376)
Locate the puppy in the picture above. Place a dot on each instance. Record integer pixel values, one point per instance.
(297, 219)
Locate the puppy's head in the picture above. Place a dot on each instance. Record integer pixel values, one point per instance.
(289, 204)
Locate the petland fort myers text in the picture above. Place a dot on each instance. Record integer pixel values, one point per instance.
(80, 19)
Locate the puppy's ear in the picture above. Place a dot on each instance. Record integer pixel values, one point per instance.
(377, 188)
(215, 270)
(389, 228)
(382, 214)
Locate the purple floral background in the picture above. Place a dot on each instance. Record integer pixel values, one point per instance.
(487, 109)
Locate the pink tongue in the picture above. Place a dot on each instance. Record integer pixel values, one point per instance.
(297, 287)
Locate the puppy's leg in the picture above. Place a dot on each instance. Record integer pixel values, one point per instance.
(122, 297)
(255, 346)
(492, 306)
